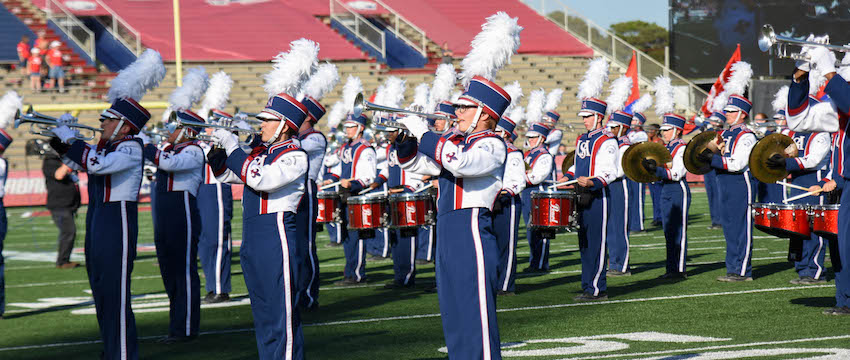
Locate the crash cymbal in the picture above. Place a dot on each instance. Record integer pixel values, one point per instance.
(568, 162)
(647, 150)
(694, 148)
(775, 143)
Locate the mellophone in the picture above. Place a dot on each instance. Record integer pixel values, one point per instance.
(404, 211)
(797, 222)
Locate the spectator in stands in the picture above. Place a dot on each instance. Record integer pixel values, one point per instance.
(447, 53)
(41, 42)
(54, 60)
(63, 200)
(760, 118)
(23, 53)
(562, 150)
(34, 68)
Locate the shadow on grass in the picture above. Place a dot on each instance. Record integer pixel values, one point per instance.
(817, 302)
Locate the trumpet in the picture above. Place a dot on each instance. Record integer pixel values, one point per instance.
(43, 125)
(206, 137)
(361, 105)
(769, 38)
(249, 117)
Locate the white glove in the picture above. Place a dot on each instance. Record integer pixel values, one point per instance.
(242, 124)
(330, 161)
(66, 118)
(416, 125)
(64, 133)
(144, 137)
(823, 60)
(805, 65)
(226, 140)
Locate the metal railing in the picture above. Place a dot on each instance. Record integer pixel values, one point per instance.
(398, 20)
(618, 50)
(71, 26)
(362, 28)
(122, 31)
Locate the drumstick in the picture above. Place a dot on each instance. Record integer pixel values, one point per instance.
(328, 186)
(792, 186)
(368, 189)
(565, 183)
(426, 187)
(810, 193)
(380, 193)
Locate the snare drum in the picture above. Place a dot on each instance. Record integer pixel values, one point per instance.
(825, 220)
(551, 209)
(410, 210)
(366, 212)
(790, 220)
(328, 207)
(761, 218)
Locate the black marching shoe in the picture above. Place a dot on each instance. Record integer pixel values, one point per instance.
(840, 311)
(674, 276)
(590, 297)
(616, 273)
(397, 286)
(807, 280)
(172, 339)
(734, 278)
(505, 293)
(348, 281)
(217, 298)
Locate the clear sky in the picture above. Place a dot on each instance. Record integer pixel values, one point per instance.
(607, 12)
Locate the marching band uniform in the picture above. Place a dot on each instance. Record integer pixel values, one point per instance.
(734, 180)
(275, 178)
(710, 181)
(314, 144)
(596, 157)
(618, 223)
(335, 235)
(636, 190)
(379, 245)
(655, 191)
(769, 193)
(541, 165)
(428, 235)
(178, 176)
(506, 212)
(553, 140)
(5, 141)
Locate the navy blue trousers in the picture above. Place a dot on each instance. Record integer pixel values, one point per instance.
(814, 248)
(426, 243)
(404, 257)
(842, 275)
(2, 261)
(308, 274)
(215, 202)
(636, 193)
(176, 239)
(675, 204)
(270, 266)
(592, 239)
(506, 229)
(655, 194)
(737, 194)
(710, 181)
(335, 236)
(538, 252)
(111, 233)
(380, 244)
(467, 262)
(618, 227)
(354, 249)
(769, 193)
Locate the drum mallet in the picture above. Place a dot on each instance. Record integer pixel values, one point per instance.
(328, 186)
(810, 193)
(792, 186)
(426, 187)
(565, 183)
(380, 193)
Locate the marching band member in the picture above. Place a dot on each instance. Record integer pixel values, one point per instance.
(215, 203)
(637, 190)
(470, 167)
(550, 117)
(618, 223)
(675, 193)
(506, 212)
(541, 168)
(114, 166)
(315, 145)
(715, 123)
(595, 167)
(178, 176)
(275, 178)
(357, 169)
(653, 134)
(734, 179)
(9, 104)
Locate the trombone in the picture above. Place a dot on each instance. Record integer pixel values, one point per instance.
(769, 38)
(43, 125)
(361, 105)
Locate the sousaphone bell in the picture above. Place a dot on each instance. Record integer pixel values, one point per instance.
(635, 154)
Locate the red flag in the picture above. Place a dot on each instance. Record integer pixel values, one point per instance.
(717, 88)
(632, 72)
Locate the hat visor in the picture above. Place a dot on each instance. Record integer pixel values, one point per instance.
(666, 127)
(350, 124)
(267, 117)
(584, 113)
(465, 102)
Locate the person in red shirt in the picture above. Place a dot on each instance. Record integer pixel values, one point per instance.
(41, 42)
(23, 53)
(54, 60)
(34, 68)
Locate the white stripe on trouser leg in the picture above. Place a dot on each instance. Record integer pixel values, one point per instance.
(511, 241)
(684, 238)
(125, 248)
(626, 223)
(412, 260)
(220, 249)
(359, 258)
(640, 204)
(188, 256)
(386, 242)
(603, 245)
(431, 233)
(310, 243)
(287, 285)
(815, 258)
(482, 285)
(749, 224)
(542, 253)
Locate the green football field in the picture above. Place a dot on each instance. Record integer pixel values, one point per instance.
(50, 314)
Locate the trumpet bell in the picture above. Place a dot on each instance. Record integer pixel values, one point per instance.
(766, 147)
(768, 38)
(694, 148)
(360, 105)
(635, 154)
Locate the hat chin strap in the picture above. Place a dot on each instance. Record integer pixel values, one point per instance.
(276, 135)
(475, 119)
(115, 132)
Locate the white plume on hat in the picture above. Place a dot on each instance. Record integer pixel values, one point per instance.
(218, 93)
(844, 70)
(195, 83)
(719, 102)
(444, 82)
(10, 104)
(421, 95)
(391, 93)
(352, 87)
(742, 71)
(594, 79)
(492, 48)
(517, 114)
(663, 95)
(642, 104)
(292, 69)
(553, 99)
(137, 78)
(514, 90)
(456, 95)
(534, 110)
(321, 82)
(780, 100)
(620, 90)
(337, 113)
